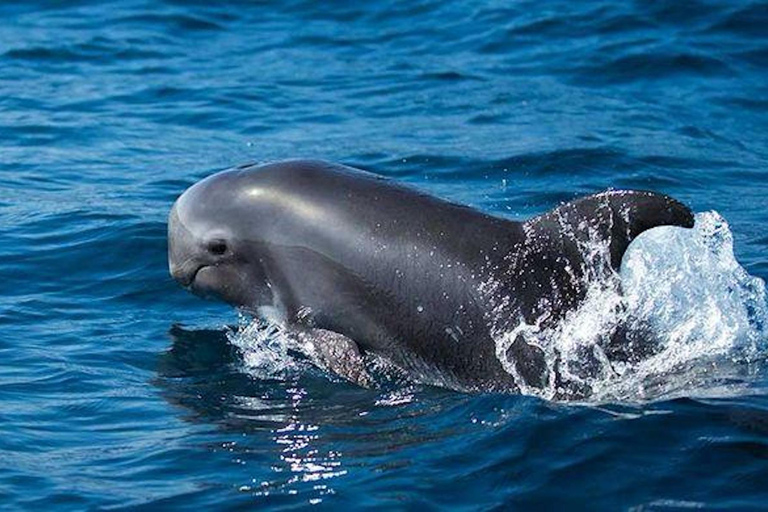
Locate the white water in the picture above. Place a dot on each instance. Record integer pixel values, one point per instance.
(267, 351)
(680, 291)
(709, 313)
(681, 288)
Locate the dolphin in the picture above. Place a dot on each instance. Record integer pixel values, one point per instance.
(360, 264)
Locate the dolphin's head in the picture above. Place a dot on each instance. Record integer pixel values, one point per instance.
(213, 243)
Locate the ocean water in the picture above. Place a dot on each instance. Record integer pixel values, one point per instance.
(118, 389)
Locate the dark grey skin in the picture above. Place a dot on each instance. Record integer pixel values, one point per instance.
(363, 265)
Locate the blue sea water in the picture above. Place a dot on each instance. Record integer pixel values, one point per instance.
(118, 389)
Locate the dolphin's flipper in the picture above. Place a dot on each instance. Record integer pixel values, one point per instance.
(338, 354)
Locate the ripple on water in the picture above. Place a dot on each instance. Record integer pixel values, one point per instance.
(119, 389)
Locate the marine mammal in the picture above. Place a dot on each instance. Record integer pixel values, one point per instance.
(371, 266)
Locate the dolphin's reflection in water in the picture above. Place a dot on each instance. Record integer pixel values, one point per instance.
(293, 436)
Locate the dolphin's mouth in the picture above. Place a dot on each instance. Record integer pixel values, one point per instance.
(191, 282)
(184, 278)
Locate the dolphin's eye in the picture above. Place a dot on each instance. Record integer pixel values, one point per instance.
(217, 247)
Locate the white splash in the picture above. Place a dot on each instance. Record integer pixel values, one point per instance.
(709, 314)
(268, 352)
(702, 318)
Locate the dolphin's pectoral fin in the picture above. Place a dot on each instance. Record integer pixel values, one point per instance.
(529, 361)
(339, 354)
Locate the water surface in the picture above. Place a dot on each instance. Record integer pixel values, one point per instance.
(119, 389)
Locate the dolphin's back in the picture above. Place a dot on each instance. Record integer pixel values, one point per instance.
(574, 246)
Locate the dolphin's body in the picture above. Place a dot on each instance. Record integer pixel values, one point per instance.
(364, 265)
